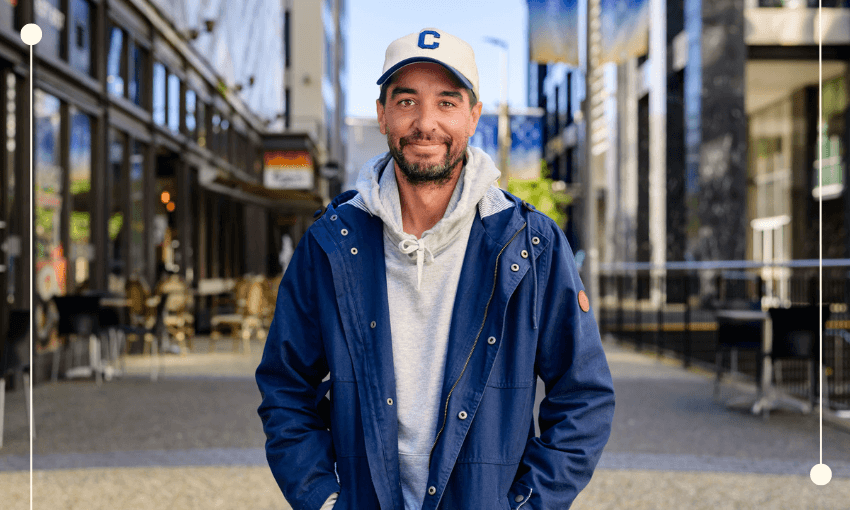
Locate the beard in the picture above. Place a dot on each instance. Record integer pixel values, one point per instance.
(422, 173)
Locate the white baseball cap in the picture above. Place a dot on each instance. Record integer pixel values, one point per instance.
(433, 45)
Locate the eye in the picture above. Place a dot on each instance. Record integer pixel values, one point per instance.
(447, 103)
(406, 102)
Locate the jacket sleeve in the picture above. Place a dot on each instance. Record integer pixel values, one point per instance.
(299, 447)
(576, 414)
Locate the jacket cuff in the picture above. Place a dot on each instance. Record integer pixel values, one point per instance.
(320, 493)
(519, 495)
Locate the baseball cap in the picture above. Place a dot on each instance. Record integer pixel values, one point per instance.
(432, 45)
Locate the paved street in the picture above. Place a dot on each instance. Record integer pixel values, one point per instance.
(192, 439)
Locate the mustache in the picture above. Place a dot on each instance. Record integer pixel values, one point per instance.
(419, 136)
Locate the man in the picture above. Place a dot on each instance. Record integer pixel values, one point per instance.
(433, 300)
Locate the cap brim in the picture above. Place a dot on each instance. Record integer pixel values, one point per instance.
(413, 60)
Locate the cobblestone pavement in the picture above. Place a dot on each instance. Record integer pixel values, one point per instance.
(192, 439)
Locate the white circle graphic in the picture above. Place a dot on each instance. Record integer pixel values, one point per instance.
(31, 34)
(821, 474)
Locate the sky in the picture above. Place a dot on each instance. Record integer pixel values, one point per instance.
(374, 24)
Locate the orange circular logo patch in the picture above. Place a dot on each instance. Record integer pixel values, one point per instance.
(583, 302)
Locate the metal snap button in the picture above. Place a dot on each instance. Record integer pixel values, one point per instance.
(389, 401)
(524, 254)
(491, 340)
(462, 415)
(354, 251)
(432, 490)
(519, 498)
(535, 240)
(333, 217)
(344, 232)
(514, 267)
(373, 324)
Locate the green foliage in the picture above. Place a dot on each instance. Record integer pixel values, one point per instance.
(538, 192)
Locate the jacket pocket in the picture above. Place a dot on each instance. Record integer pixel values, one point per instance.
(346, 422)
(499, 429)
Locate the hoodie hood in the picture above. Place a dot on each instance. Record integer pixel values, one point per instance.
(379, 190)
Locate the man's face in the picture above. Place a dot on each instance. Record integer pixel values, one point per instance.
(428, 122)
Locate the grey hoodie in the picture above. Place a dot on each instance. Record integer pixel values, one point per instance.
(422, 279)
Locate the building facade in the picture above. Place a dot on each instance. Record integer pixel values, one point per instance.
(713, 154)
(153, 125)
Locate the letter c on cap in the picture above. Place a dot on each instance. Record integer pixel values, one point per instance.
(433, 44)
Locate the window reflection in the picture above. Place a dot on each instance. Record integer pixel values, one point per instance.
(50, 18)
(50, 262)
(80, 195)
(190, 113)
(114, 81)
(137, 209)
(136, 66)
(115, 225)
(173, 102)
(79, 54)
(159, 93)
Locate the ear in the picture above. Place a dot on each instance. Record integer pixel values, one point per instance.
(476, 114)
(382, 120)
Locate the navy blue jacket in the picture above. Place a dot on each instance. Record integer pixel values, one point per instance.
(516, 316)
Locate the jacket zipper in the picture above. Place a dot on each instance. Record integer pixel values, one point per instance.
(480, 329)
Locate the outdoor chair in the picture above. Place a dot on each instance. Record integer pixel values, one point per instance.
(152, 333)
(178, 317)
(142, 311)
(734, 336)
(247, 321)
(795, 338)
(15, 362)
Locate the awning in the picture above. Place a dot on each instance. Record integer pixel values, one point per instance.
(290, 201)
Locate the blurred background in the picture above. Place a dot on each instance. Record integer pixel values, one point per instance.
(183, 146)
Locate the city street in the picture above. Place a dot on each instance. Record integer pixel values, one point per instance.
(193, 439)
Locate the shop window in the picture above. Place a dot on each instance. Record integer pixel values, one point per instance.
(114, 62)
(79, 53)
(50, 18)
(136, 69)
(159, 93)
(173, 103)
(116, 223)
(50, 261)
(191, 99)
(137, 209)
(11, 145)
(81, 198)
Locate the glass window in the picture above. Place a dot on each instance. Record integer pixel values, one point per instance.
(137, 209)
(159, 93)
(225, 139)
(136, 69)
(173, 103)
(79, 55)
(191, 98)
(81, 199)
(11, 146)
(50, 18)
(115, 225)
(216, 132)
(50, 262)
(114, 77)
(7, 14)
(201, 117)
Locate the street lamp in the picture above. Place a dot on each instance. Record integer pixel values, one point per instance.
(504, 122)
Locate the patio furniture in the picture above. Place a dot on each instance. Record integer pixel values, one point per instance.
(247, 320)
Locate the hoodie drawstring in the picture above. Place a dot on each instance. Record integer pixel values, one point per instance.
(533, 272)
(409, 246)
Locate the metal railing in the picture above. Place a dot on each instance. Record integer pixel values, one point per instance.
(672, 310)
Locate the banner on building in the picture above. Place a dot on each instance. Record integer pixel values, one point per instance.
(553, 31)
(624, 29)
(526, 143)
(288, 170)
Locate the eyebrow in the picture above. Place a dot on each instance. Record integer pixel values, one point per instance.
(404, 90)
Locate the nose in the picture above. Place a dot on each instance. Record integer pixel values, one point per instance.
(428, 119)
